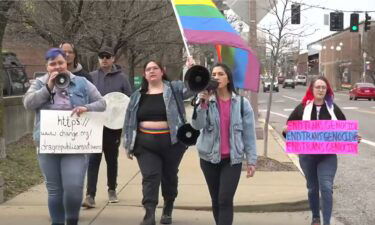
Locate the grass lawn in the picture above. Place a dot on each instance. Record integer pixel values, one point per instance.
(20, 169)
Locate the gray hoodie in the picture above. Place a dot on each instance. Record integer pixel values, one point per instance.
(114, 81)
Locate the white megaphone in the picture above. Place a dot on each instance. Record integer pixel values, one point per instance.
(117, 103)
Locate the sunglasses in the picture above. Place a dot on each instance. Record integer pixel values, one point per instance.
(105, 56)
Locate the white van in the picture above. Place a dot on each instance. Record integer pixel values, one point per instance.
(301, 79)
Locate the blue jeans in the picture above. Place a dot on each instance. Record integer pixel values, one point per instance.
(320, 172)
(64, 175)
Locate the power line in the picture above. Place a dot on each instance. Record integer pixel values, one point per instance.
(331, 9)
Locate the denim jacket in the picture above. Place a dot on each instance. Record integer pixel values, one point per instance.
(173, 117)
(241, 134)
(81, 93)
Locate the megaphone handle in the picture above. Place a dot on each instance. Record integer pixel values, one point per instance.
(195, 112)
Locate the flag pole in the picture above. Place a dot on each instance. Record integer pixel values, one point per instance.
(181, 29)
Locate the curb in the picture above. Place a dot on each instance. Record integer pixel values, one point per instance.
(261, 208)
(281, 142)
(296, 206)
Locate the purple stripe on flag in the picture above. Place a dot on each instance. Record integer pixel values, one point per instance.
(246, 64)
(252, 73)
(214, 37)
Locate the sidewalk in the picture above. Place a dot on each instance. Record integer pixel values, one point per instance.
(256, 198)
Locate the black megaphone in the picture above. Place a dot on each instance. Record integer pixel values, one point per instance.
(198, 78)
(187, 134)
(62, 80)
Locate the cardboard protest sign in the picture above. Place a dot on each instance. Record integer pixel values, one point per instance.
(61, 133)
(322, 137)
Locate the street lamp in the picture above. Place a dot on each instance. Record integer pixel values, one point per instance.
(364, 66)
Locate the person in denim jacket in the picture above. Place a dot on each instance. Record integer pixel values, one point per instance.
(227, 138)
(150, 134)
(64, 173)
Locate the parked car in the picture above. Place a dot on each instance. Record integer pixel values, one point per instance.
(15, 80)
(301, 79)
(289, 83)
(267, 85)
(280, 79)
(362, 90)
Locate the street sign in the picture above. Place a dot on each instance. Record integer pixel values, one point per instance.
(137, 82)
(336, 21)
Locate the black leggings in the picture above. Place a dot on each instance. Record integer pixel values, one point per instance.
(222, 180)
(158, 161)
(111, 142)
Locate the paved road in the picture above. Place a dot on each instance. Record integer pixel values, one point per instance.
(354, 197)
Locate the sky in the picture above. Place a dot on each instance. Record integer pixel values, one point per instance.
(314, 17)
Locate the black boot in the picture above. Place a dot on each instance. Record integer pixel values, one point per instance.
(71, 221)
(149, 218)
(58, 224)
(166, 217)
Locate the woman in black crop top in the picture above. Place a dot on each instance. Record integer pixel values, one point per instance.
(152, 119)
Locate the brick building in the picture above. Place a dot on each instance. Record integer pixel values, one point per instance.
(339, 57)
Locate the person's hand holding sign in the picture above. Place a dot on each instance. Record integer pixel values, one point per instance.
(359, 138)
(79, 110)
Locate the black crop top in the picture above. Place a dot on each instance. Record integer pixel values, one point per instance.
(151, 108)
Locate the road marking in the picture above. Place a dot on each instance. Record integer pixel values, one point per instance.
(350, 107)
(288, 110)
(373, 107)
(365, 111)
(275, 113)
(294, 99)
(368, 142)
(342, 94)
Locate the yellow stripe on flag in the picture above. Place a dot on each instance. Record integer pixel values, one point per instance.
(194, 2)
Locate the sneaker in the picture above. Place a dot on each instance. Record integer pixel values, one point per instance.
(112, 196)
(315, 221)
(89, 202)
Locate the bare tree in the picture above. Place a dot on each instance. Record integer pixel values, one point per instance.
(4, 8)
(281, 36)
(134, 29)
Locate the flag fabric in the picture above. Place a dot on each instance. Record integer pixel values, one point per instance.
(203, 23)
(218, 52)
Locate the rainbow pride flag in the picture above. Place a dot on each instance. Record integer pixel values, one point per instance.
(202, 23)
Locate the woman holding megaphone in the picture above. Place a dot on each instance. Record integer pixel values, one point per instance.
(64, 174)
(150, 133)
(226, 121)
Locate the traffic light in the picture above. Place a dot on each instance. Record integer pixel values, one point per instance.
(367, 22)
(336, 20)
(296, 14)
(354, 22)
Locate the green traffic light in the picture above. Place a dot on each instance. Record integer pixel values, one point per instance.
(354, 28)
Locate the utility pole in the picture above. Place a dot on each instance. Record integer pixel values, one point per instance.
(364, 66)
(253, 42)
(364, 54)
